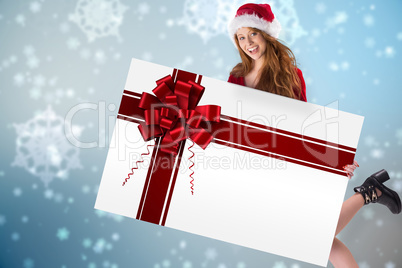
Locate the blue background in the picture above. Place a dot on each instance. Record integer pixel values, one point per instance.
(57, 54)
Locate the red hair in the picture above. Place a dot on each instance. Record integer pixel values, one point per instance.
(279, 72)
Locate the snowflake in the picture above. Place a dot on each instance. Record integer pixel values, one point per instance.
(19, 79)
(338, 18)
(211, 254)
(39, 80)
(13, 59)
(99, 246)
(63, 234)
(241, 265)
(183, 244)
(17, 192)
(35, 93)
(100, 56)
(147, 56)
(85, 189)
(166, 263)
(116, 217)
(143, 8)
(115, 236)
(368, 20)
(364, 265)
(209, 18)
(64, 27)
(320, 8)
(24, 219)
(368, 213)
(345, 65)
(369, 42)
(29, 50)
(15, 236)
(29, 263)
(389, 264)
(370, 141)
(333, 66)
(58, 197)
(389, 52)
(98, 18)
(87, 243)
(187, 264)
(279, 265)
(20, 19)
(286, 13)
(73, 43)
(35, 7)
(85, 53)
(43, 149)
(48, 194)
(377, 153)
(33, 62)
(162, 9)
(2, 220)
(316, 32)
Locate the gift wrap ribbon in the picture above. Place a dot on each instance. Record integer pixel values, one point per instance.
(171, 116)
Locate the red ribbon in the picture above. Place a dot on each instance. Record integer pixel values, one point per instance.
(173, 114)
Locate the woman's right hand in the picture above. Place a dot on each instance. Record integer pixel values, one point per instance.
(349, 169)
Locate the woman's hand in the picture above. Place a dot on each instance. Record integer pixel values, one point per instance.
(350, 168)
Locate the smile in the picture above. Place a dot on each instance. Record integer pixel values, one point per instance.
(253, 49)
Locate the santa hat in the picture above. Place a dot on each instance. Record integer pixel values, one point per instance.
(258, 16)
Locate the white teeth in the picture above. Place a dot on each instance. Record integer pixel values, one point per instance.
(252, 49)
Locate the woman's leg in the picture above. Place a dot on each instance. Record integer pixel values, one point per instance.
(349, 209)
(340, 255)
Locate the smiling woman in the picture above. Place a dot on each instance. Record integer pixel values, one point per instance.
(269, 65)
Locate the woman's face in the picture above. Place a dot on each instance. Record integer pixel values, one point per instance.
(251, 42)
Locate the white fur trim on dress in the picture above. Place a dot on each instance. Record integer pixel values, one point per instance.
(251, 20)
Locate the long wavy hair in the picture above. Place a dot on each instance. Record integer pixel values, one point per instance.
(279, 72)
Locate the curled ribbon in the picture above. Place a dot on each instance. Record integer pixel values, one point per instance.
(173, 114)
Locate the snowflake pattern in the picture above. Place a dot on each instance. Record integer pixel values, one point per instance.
(286, 13)
(87, 243)
(99, 18)
(113, 216)
(34, 75)
(43, 149)
(101, 245)
(63, 234)
(279, 265)
(209, 18)
(29, 263)
(2, 220)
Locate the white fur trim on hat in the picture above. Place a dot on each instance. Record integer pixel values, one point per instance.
(247, 20)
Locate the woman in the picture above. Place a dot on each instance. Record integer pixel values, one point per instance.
(269, 65)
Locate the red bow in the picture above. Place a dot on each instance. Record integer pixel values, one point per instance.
(174, 115)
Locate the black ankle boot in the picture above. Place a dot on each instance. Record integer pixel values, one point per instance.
(388, 198)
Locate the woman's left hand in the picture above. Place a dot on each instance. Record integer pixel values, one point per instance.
(349, 169)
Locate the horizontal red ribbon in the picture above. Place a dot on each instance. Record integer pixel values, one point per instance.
(263, 140)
